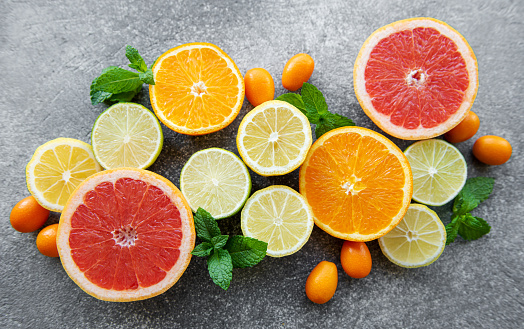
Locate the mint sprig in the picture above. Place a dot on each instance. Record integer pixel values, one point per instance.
(224, 252)
(313, 104)
(469, 227)
(116, 84)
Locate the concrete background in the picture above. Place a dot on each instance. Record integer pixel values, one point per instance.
(51, 50)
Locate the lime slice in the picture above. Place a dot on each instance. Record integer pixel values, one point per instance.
(57, 168)
(126, 135)
(274, 138)
(215, 180)
(279, 216)
(418, 240)
(439, 171)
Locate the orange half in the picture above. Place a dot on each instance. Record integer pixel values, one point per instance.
(198, 89)
(358, 183)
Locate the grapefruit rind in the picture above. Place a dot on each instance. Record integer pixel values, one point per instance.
(76, 199)
(407, 189)
(381, 120)
(204, 130)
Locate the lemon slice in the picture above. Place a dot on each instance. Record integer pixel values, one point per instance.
(439, 171)
(274, 138)
(126, 135)
(57, 168)
(279, 216)
(418, 240)
(215, 180)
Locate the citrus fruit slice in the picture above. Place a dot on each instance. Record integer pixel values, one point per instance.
(357, 182)
(215, 180)
(418, 240)
(274, 138)
(279, 216)
(126, 135)
(126, 234)
(416, 78)
(57, 168)
(439, 171)
(198, 89)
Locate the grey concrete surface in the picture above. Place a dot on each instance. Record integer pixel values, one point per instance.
(51, 50)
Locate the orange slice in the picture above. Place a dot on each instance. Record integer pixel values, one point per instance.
(358, 183)
(198, 89)
(126, 234)
(416, 78)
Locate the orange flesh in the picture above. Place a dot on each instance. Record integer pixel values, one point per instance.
(417, 78)
(126, 235)
(196, 88)
(354, 184)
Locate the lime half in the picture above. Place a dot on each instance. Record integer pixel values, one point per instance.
(279, 216)
(126, 135)
(418, 240)
(439, 171)
(215, 180)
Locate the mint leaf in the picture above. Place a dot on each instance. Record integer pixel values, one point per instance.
(99, 96)
(137, 62)
(147, 77)
(330, 121)
(205, 225)
(475, 191)
(202, 250)
(314, 102)
(112, 81)
(220, 268)
(452, 229)
(125, 96)
(295, 100)
(472, 228)
(246, 251)
(219, 241)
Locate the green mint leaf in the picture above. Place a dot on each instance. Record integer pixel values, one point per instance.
(202, 250)
(314, 102)
(452, 229)
(472, 228)
(330, 121)
(295, 100)
(99, 96)
(147, 77)
(475, 191)
(220, 268)
(125, 96)
(137, 62)
(113, 80)
(245, 251)
(219, 241)
(205, 225)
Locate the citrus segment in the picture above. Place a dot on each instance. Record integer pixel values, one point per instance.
(215, 180)
(416, 78)
(274, 138)
(439, 171)
(126, 234)
(279, 216)
(126, 135)
(357, 182)
(418, 240)
(57, 168)
(198, 89)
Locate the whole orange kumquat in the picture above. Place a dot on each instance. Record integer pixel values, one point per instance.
(297, 71)
(260, 87)
(28, 215)
(322, 282)
(355, 259)
(46, 241)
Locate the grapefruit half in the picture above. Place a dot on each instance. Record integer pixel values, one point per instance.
(416, 78)
(126, 234)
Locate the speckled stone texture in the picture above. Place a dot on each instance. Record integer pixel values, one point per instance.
(51, 50)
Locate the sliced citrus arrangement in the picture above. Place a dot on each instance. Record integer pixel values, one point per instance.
(418, 240)
(215, 180)
(279, 216)
(126, 234)
(126, 135)
(357, 182)
(439, 171)
(274, 138)
(416, 78)
(198, 89)
(57, 168)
